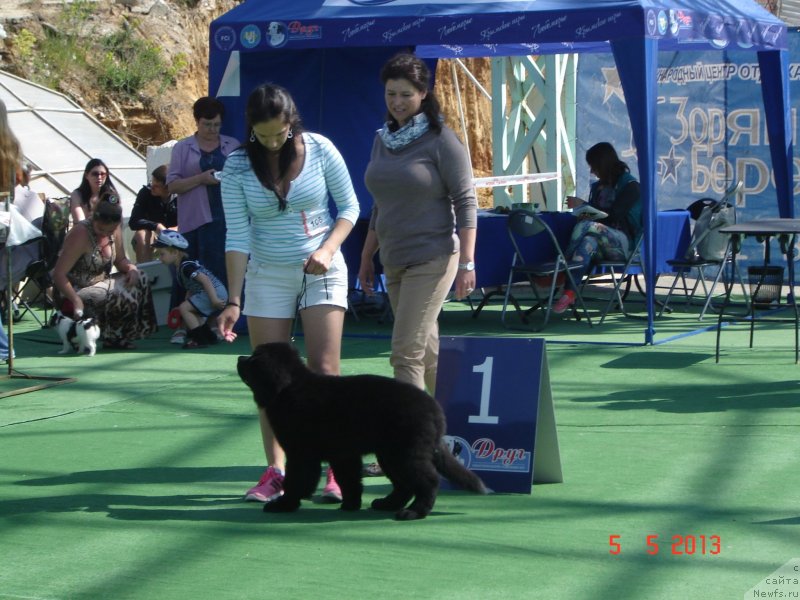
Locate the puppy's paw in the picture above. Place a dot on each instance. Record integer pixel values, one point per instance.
(282, 504)
(387, 503)
(351, 504)
(408, 515)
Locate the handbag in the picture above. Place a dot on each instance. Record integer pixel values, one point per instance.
(708, 242)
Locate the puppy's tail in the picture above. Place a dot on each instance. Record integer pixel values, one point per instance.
(456, 473)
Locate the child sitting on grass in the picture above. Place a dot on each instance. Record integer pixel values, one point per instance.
(205, 294)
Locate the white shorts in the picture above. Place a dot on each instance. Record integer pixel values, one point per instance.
(279, 291)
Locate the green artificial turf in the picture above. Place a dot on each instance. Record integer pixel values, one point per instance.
(128, 482)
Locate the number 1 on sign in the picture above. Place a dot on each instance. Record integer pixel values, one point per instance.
(486, 388)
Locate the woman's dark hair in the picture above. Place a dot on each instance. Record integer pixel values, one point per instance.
(415, 71)
(208, 108)
(85, 190)
(109, 207)
(605, 163)
(266, 103)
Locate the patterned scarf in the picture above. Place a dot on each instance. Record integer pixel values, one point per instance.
(414, 129)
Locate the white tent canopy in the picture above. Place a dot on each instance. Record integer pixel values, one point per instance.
(58, 138)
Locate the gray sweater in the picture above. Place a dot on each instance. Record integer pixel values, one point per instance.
(421, 192)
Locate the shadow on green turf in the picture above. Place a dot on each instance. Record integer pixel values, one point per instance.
(657, 360)
(171, 475)
(713, 397)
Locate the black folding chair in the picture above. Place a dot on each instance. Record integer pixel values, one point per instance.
(526, 224)
(38, 273)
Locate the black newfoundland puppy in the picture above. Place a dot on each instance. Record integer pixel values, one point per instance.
(339, 419)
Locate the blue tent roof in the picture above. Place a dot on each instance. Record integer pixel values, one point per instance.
(451, 25)
(329, 52)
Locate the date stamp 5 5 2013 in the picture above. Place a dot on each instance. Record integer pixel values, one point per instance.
(677, 545)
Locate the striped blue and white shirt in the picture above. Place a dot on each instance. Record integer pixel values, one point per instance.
(255, 224)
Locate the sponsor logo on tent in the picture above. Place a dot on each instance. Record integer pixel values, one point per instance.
(250, 36)
(301, 31)
(225, 38)
(276, 34)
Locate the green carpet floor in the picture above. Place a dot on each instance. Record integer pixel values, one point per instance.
(127, 483)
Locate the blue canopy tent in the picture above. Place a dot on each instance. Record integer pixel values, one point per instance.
(329, 52)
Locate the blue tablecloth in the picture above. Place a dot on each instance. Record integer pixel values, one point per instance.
(493, 251)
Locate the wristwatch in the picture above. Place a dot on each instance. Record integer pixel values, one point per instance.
(467, 266)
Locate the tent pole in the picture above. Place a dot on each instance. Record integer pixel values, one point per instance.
(461, 115)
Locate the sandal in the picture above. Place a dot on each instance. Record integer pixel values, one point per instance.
(372, 470)
(118, 345)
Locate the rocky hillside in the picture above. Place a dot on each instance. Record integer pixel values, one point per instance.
(136, 65)
(40, 33)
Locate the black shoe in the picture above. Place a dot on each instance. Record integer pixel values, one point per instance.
(195, 339)
(206, 335)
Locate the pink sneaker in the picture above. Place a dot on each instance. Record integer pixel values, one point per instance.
(562, 304)
(331, 492)
(269, 487)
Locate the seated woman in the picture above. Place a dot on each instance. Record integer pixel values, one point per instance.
(96, 181)
(123, 302)
(616, 192)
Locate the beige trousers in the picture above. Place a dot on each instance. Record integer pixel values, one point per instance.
(416, 294)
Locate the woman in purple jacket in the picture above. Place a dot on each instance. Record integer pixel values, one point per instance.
(194, 171)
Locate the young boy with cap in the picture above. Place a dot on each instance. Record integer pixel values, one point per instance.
(205, 293)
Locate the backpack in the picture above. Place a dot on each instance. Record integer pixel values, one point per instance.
(708, 242)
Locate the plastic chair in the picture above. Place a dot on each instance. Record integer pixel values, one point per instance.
(684, 266)
(526, 224)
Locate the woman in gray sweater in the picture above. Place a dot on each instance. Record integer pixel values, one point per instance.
(424, 217)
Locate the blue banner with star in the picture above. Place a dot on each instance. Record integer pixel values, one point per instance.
(711, 126)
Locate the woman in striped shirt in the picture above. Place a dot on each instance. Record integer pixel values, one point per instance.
(275, 194)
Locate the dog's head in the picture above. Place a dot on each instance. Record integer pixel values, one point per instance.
(57, 317)
(269, 370)
(88, 315)
(87, 322)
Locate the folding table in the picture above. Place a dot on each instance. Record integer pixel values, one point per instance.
(785, 230)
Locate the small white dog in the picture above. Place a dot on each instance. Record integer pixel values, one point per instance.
(79, 335)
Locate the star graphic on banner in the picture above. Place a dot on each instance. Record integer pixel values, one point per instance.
(612, 86)
(669, 165)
